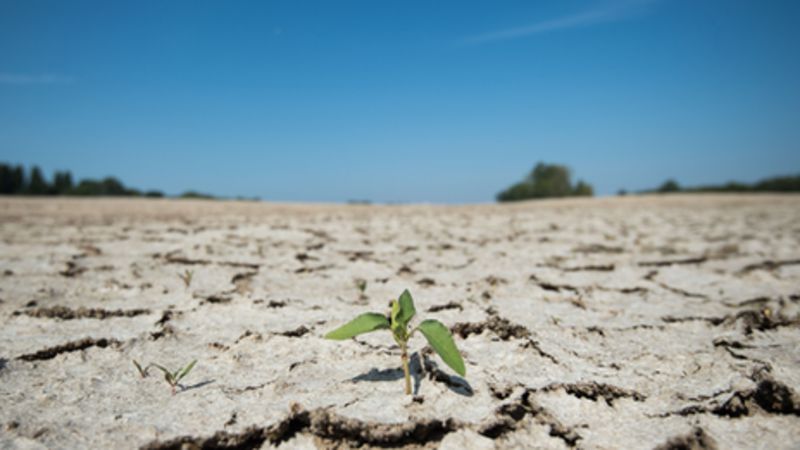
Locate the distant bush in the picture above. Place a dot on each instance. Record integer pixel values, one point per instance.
(774, 184)
(544, 181)
(779, 184)
(109, 186)
(194, 194)
(669, 186)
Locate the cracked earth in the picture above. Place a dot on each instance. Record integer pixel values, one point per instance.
(643, 322)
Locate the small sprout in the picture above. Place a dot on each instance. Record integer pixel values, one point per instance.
(361, 284)
(403, 311)
(172, 378)
(142, 372)
(186, 276)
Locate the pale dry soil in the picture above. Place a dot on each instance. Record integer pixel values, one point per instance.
(648, 322)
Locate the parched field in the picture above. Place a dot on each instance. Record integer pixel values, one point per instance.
(641, 322)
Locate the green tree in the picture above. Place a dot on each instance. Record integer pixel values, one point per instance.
(545, 180)
(583, 189)
(62, 183)
(108, 186)
(6, 181)
(779, 184)
(669, 186)
(18, 180)
(38, 185)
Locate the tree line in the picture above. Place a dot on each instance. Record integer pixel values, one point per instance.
(787, 183)
(15, 180)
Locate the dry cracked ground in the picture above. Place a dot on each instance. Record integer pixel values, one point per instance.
(649, 322)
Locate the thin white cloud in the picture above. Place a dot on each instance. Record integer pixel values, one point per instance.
(22, 79)
(613, 12)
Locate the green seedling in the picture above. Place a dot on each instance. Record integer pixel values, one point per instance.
(403, 311)
(186, 277)
(173, 378)
(361, 284)
(142, 372)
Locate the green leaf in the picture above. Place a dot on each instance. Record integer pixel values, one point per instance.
(186, 370)
(167, 374)
(406, 311)
(142, 372)
(439, 338)
(362, 324)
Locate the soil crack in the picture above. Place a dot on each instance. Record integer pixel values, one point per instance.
(594, 390)
(74, 346)
(330, 428)
(65, 313)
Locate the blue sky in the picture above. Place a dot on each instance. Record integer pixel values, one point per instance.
(411, 101)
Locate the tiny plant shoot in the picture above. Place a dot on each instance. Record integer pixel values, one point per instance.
(403, 311)
(361, 284)
(186, 277)
(142, 371)
(173, 378)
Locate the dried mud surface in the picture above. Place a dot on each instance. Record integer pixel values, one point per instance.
(650, 322)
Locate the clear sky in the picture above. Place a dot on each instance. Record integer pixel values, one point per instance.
(442, 101)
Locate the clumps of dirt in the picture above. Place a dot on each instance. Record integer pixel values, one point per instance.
(175, 257)
(711, 320)
(769, 395)
(500, 392)
(769, 265)
(552, 286)
(492, 280)
(74, 346)
(597, 248)
(64, 313)
(329, 428)
(673, 262)
(300, 331)
(762, 320)
(72, 270)
(242, 282)
(276, 304)
(320, 268)
(358, 255)
(303, 257)
(679, 291)
(88, 250)
(510, 416)
(776, 398)
(502, 327)
(163, 324)
(590, 268)
(594, 391)
(426, 282)
(761, 314)
(446, 306)
(405, 270)
(216, 299)
(697, 439)
(249, 334)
